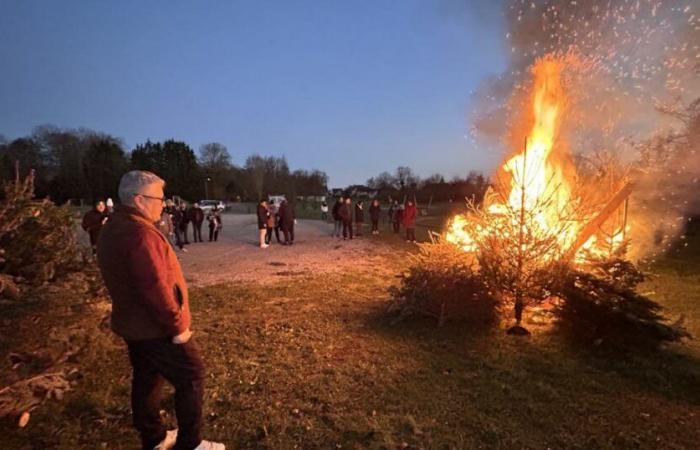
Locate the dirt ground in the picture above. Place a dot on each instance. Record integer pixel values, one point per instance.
(236, 256)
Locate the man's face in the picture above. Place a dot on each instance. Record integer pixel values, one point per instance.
(150, 202)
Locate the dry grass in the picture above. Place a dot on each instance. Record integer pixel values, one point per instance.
(316, 363)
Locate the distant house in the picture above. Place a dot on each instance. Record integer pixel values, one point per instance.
(336, 192)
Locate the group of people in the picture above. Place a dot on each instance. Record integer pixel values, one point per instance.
(273, 218)
(175, 222)
(351, 225)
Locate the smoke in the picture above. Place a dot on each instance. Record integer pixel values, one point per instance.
(633, 73)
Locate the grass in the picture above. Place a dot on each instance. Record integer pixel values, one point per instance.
(314, 362)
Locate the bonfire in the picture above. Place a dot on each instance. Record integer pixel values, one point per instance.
(541, 221)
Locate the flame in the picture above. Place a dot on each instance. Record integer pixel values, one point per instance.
(540, 184)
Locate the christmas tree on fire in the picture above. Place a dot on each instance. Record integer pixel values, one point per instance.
(543, 233)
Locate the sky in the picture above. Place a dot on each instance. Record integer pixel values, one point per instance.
(350, 88)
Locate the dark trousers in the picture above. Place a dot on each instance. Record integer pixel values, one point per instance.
(183, 228)
(277, 234)
(197, 231)
(375, 224)
(358, 228)
(347, 229)
(268, 235)
(178, 237)
(157, 360)
(213, 233)
(396, 226)
(410, 234)
(288, 234)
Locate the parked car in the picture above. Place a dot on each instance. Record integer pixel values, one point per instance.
(208, 205)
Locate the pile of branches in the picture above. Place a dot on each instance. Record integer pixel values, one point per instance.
(442, 282)
(37, 238)
(601, 306)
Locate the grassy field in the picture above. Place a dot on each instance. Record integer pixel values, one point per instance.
(315, 362)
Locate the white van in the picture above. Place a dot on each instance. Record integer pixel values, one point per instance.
(208, 205)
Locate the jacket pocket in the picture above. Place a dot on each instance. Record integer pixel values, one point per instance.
(178, 295)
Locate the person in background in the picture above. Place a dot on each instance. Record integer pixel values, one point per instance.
(214, 219)
(398, 218)
(151, 313)
(287, 218)
(345, 214)
(324, 211)
(262, 214)
(337, 220)
(374, 211)
(177, 217)
(110, 205)
(392, 210)
(165, 225)
(196, 215)
(92, 223)
(184, 222)
(359, 217)
(409, 220)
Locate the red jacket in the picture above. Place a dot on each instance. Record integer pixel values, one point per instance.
(143, 277)
(409, 216)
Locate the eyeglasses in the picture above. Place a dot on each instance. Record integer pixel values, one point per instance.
(162, 199)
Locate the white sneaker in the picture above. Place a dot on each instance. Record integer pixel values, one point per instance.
(264, 246)
(209, 445)
(168, 442)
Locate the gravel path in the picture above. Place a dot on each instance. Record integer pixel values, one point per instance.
(236, 256)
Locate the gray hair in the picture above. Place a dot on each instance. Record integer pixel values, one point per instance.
(133, 183)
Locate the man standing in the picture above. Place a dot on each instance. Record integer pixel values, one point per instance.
(184, 221)
(92, 223)
(287, 218)
(150, 311)
(197, 218)
(359, 217)
(335, 212)
(409, 220)
(345, 214)
(263, 214)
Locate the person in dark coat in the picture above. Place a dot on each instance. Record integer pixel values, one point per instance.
(286, 220)
(176, 217)
(214, 219)
(374, 211)
(92, 223)
(345, 214)
(263, 215)
(335, 212)
(409, 220)
(196, 216)
(398, 218)
(359, 217)
(184, 222)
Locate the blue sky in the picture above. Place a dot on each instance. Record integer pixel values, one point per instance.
(351, 88)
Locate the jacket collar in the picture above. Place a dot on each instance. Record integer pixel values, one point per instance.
(129, 212)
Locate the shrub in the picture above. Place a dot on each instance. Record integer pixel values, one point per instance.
(442, 283)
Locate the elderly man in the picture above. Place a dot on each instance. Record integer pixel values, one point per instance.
(150, 311)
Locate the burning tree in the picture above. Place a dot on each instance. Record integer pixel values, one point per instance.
(542, 229)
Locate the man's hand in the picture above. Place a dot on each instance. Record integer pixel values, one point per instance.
(183, 337)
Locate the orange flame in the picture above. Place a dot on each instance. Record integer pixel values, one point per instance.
(539, 184)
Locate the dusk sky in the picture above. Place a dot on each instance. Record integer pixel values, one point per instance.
(350, 88)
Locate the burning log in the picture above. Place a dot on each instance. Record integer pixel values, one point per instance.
(602, 216)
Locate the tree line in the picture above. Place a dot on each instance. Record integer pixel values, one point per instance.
(86, 165)
(404, 182)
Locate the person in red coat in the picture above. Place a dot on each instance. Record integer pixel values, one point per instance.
(409, 220)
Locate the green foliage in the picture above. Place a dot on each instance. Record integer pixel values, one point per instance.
(175, 162)
(602, 306)
(37, 238)
(443, 282)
